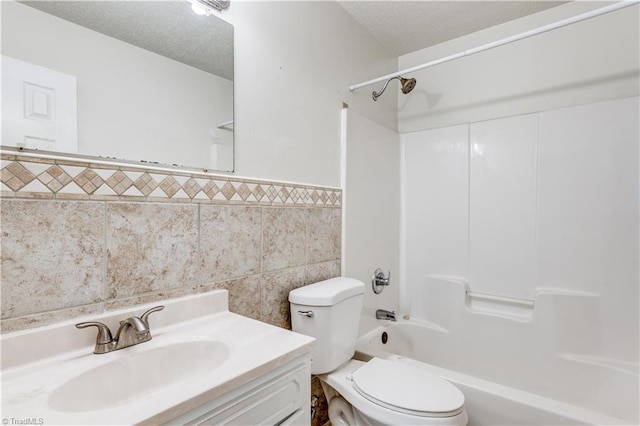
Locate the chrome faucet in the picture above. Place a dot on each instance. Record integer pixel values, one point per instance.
(132, 331)
(386, 315)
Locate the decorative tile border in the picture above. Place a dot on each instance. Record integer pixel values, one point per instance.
(28, 177)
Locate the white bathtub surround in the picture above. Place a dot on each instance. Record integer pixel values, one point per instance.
(488, 402)
(519, 220)
(502, 201)
(520, 243)
(245, 349)
(440, 177)
(559, 366)
(371, 181)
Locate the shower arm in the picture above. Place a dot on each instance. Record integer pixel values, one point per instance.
(501, 42)
(375, 95)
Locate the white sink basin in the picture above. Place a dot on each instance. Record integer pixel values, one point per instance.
(199, 352)
(129, 377)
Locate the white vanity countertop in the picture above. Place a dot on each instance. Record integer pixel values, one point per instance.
(37, 362)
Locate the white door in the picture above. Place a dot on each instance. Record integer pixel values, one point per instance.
(39, 107)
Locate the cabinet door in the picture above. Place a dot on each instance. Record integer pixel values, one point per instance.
(299, 418)
(280, 400)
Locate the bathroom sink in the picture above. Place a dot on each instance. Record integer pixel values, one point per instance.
(199, 353)
(132, 376)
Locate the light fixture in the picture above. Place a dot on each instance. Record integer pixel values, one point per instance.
(206, 7)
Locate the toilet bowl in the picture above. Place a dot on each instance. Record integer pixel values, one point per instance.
(340, 412)
(376, 392)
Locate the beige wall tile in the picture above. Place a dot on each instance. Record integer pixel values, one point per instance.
(63, 258)
(245, 295)
(322, 271)
(324, 234)
(230, 239)
(155, 296)
(150, 247)
(283, 238)
(52, 253)
(49, 317)
(275, 295)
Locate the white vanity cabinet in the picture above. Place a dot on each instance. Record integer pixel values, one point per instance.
(204, 366)
(281, 397)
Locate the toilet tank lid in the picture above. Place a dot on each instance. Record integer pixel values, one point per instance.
(327, 293)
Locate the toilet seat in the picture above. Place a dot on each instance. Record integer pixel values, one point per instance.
(406, 389)
(371, 412)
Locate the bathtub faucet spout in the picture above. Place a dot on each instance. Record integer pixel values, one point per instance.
(386, 315)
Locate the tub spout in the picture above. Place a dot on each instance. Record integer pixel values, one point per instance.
(386, 315)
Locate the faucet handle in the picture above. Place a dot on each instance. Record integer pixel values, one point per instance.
(378, 281)
(104, 334)
(144, 316)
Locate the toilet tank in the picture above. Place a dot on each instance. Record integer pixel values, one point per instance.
(329, 311)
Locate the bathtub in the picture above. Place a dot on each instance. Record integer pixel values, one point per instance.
(499, 391)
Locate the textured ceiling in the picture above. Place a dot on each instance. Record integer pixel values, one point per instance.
(168, 28)
(407, 26)
(171, 29)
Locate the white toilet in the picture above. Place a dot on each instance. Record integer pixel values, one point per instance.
(377, 392)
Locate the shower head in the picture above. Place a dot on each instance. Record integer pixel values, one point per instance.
(407, 85)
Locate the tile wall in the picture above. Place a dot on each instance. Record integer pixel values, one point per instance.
(80, 238)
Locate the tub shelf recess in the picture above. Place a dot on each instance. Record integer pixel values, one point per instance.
(502, 299)
(510, 307)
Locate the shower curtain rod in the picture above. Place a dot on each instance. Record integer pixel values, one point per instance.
(501, 42)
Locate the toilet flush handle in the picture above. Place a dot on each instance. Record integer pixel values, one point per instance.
(308, 314)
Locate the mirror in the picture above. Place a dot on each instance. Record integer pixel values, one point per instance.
(148, 81)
